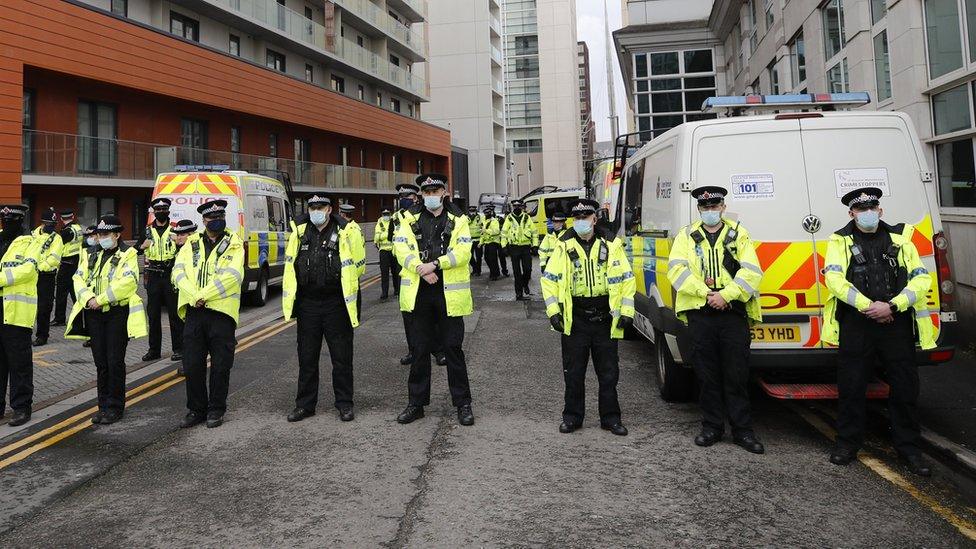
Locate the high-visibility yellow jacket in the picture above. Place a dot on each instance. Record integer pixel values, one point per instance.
(73, 246)
(548, 246)
(112, 283)
(475, 223)
(358, 246)
(605, 271)
(491, 231)
(519, 230)
(18, 282)
(913, 297)
(381, 235)
(693, 260)
(49, 247)
(214, 278)
(161, 246)
(454, 263)
(348, 277)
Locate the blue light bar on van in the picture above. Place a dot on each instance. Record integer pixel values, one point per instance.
(201, 167)
(809, 100)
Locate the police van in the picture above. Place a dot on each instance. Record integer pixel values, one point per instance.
(258, 210)
(542, 203)
(785, 174)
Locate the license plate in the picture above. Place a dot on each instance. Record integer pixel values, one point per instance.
(776, 333)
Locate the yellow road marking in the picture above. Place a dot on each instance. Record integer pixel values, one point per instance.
(965, 527)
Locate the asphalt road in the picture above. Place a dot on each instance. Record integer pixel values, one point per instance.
(510, 480)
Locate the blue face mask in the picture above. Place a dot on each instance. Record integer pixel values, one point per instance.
(406, 203)
(317, 217)
(868, 219)
(90, 241)
(433, 202)
(711, 218)
(106, 242)
(583, 227)
(216, 225)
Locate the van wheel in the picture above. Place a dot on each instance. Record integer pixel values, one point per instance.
(259, 296)
(675, 382)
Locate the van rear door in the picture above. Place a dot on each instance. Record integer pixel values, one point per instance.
(761, 162)
(848, 151)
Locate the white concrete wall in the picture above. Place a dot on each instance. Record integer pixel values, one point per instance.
(559, 89)
(648, 12)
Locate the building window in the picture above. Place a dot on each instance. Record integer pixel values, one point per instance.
(420, 167)
(193, 141)
(275, 61)
(773, 73)
(832, 15)
(96, 138)
(837, 78)
(120, 7)
(951, 110)
(410, 110)
(273, 145)
(769, 14)
(882, 69)
(397, 162)
(338, 84)
(395, 104)
(798, 60)
(362, 158)
(309, 74)
(677, 85)
(753, 28)
(303, 158)
(394, 60)
(361, 92)
(971, 28)
(90, 208)
(343, 155)
(28, 133)
(382, 161)
(235, 146)
(878, 11)
(183, 26)
(944, 36)
(360, 41)
(379, 99)
(957, 174)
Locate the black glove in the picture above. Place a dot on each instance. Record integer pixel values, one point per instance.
(557, 322)
(625, 323)
(535, 250)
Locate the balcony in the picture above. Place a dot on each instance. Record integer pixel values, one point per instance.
(498, 117)
(496, 25)
(411, 41)
(499, 148)
(114, 161)
(415, 10)
(496, 56)
(367, 61)
(498, 87)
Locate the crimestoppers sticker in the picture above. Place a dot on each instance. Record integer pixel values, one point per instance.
(849, 179)
(753, 186)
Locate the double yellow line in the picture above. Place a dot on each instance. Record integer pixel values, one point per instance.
(21, 449)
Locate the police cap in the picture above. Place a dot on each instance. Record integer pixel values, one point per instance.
(317, 200)
(585, 207)
(559, 217)
(184, 226)
(49, 216)
(429, 180)
(109, 224)
(214, 208)
(709, 195)
(865, 197)
(404, 189)
(347, 208)
(161, 204)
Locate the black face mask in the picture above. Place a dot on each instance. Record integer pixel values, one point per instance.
(48, 228)
(12, 226)
(517, 211)
(161, 216)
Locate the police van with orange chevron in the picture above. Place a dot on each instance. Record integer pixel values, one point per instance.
(785, 165)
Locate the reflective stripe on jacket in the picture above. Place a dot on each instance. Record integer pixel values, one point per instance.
(112, 283)
(348, 277)
(216, 279)
(18, 280)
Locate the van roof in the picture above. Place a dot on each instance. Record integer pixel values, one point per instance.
(764, 117)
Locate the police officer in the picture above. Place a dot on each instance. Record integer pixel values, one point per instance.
(433, 243)
(209, 271)
(183, 231)
(18, 286)
(90, 244)
(715, 271)
(108, 312)
(502, 254)
(49, 245)
(475, 222)
(551, 240)
(408, 194)
(160, 250)
(358, 242)
(518, 238)
(320, 289)
(491, 237)
(72, 239)
(876, 312)
(384, 244)
(589, 290)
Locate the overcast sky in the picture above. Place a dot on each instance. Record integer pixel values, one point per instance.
(590, 29)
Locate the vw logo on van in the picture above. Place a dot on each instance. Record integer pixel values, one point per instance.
(811, 223)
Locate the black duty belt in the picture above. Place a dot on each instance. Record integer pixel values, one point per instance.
(160, 266)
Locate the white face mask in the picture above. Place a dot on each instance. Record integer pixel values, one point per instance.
(90, 241)
(106, 242)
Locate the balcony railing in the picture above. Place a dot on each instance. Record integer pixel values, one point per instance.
(498, 86)
(496, 55)
(498, 116)
(367, 61)
(496, 25)
(69, 155)
(499, 147)
(370, 12)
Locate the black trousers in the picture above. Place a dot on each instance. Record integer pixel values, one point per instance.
(476, 255)
(720, 355)
(109, 339)
(65, 287)
(521, 267)
(317, 319)
(389, 269)
(590, 339)
(46, 283)
(16, 366)
(491, 258)
(159, 291)
(208, 332)
(433, 329)
(862, 343)
(502, 254)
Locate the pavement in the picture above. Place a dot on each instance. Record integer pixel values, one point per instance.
(946, 402)
(510, 480)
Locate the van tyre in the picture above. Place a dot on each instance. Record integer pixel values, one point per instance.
(675, 382)
(259, 296)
